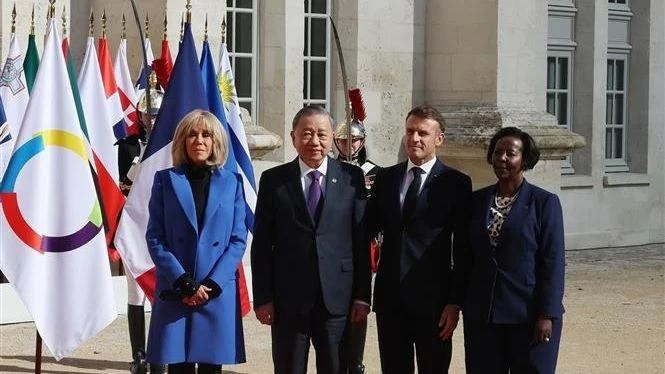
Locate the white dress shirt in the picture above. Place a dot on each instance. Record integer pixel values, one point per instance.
(408, 177)
(306, 180)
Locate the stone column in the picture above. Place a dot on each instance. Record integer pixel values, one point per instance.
(485, 69)
(590, 82)
(281, 69)
(383, 45)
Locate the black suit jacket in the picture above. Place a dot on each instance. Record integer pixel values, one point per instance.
(293, 260)
(437, 232)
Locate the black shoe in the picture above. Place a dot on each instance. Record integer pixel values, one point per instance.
(359, 369)
(157, 369)
(139, 365)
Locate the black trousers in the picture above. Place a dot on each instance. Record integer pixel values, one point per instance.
(188, 368)
(353, 347)
(502, 349)
(401, 331)
(292, 334)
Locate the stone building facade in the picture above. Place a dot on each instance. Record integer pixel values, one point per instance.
(586, 77)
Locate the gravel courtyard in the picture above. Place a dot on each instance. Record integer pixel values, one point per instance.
(614, 323)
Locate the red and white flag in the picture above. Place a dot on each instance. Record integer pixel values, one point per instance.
(126, 90)
(115, 112)
(100, 118)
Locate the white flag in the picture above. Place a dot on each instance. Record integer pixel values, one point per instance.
(54, 253)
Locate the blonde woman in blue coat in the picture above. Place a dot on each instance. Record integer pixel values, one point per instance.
(196, 236)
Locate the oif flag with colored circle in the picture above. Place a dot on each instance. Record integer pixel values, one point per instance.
(53, 249)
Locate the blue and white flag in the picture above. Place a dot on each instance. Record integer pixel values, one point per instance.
(142, 80)
(5, 135)
(237, 136)
(217, 108)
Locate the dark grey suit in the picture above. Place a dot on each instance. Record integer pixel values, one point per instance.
(310, 272)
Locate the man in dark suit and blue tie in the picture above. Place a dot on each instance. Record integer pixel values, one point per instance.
(310, 258)
(422, 207)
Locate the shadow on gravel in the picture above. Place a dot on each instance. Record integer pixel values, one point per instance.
(81, 363)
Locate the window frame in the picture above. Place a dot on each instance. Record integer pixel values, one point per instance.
(613, 5)
(253, 56)
(308, 58)
(557, 53)
(558, 48)
(614, 164)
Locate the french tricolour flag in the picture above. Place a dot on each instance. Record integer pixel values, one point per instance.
(185, 93)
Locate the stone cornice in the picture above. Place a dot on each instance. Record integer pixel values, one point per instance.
(469, 129)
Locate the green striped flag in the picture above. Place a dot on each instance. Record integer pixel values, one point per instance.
(31, 62)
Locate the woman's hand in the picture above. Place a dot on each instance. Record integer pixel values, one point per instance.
(542, 331)
(199, 298)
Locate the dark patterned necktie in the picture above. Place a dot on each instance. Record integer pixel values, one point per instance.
(411, 196)
(314, 193)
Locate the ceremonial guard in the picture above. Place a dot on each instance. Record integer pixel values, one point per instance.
(355, 152)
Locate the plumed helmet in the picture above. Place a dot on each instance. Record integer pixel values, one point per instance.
(357, 130)
(156, 97)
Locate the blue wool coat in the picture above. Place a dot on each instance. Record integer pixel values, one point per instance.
(211, 333)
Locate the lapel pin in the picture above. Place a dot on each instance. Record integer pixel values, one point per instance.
(334, 180)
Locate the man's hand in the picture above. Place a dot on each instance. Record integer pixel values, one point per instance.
(448, 321)
(359, 312)
(265, 313)
(542, 331)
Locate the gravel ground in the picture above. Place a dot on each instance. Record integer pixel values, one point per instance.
(614, 323)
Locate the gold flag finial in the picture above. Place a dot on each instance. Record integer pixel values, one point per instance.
(32, 20)
(104, 23)
(147, 26)
(224, 29)
(124, 27)
(165, 24)
(64, 20)
(51, 9)
(152, 80)
(182, 26)
(205, 29)
(188, 6)
(14, 18)
(91, 25)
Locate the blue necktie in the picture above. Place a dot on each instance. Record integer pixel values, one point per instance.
(314, 194)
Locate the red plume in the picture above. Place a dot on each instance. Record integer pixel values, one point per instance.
(357, 104)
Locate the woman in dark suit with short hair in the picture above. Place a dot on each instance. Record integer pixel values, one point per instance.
(196, 237)
(513, 310)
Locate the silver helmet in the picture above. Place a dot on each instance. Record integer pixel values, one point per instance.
(156, 97)
(342, 134)
(146, 116)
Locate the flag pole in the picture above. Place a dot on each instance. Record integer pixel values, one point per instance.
(345, 85)
(38, 354)
(38, 339)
